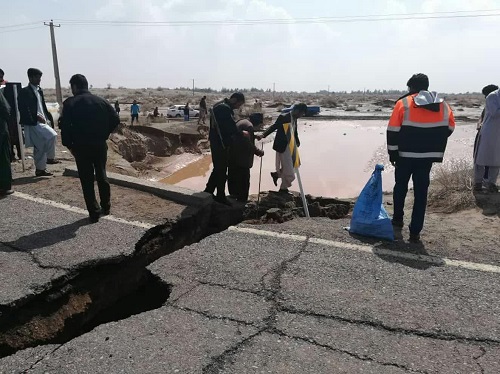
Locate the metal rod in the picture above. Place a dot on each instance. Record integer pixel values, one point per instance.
(19, 129)
(304, 201)
(260, 178)
(293, 124)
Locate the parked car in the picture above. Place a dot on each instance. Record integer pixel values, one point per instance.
(312, 110)
(177, 111)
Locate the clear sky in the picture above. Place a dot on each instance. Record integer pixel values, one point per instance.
(458, 54)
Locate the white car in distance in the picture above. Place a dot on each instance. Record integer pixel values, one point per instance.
(177, 111)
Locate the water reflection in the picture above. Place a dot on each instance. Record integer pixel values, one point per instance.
(337, 158)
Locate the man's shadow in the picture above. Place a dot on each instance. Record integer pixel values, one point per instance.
(27, 180)
(401, 252)
(48, 237)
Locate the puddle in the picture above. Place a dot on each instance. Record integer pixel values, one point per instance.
(337, 158)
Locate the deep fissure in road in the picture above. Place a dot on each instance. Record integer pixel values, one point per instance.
(106, 290)
(112, 289)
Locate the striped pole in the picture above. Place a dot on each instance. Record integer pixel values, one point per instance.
(296, 161)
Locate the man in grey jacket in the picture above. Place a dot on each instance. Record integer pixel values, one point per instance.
(488, 145)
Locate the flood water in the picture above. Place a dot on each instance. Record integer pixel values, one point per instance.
(337, 157)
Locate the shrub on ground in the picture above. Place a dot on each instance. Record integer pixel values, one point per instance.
(451, 186)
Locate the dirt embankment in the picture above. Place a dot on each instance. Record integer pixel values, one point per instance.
(146, 148)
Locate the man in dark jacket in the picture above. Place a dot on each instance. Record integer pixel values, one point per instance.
(86, 123)
(5, 170)
(38, 123)
(241, 155)
(222, 131)
(284, 163)
(417, 135)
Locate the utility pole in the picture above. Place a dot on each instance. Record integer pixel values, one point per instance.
(193, 87)
(328, 89)
(54, 58)
(274, 89)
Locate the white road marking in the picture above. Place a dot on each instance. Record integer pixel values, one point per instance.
(273, 234)
(441, 261)
(73, 209)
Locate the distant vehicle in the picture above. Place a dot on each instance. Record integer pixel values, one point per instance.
(312, 110)
(177, 111)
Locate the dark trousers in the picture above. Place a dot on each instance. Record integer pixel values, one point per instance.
(238, 182)
(90, 161)
(218, 177)
(419, 171)
(5, 168)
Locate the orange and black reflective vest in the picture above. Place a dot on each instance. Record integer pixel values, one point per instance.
(415, 132)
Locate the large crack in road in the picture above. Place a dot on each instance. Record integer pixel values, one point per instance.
(102, 291)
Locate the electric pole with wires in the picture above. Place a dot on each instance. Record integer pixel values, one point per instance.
(56, 63)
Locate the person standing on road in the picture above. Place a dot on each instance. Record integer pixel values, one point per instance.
(241, 156)
(5, 169)
(12, 122)
(284, 162)
(117, 107)
(186, 112)
(86, 123)
(417, 135)
(486, 91)
(134, 112)
(222, 131)
(38, 123)
(488, 145)
(203, 110)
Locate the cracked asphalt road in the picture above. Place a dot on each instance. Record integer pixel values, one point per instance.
(261, 302)
(40, 244)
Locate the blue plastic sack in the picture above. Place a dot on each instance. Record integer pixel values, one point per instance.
(369, 217)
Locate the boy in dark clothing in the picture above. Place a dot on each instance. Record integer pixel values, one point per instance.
(241, 155)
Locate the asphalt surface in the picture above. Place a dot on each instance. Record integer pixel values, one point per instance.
(250, 300)
(40, 244)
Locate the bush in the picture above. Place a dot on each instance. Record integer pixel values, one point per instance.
(451, 186)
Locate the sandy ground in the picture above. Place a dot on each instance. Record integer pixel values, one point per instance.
(126, 203)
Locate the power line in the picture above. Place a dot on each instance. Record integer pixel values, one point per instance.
(21, 24)
(344, 19)
(21, 29)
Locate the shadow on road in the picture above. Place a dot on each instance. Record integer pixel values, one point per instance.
(401, 252)
(27, 180)
(48, 237)
(488, 202)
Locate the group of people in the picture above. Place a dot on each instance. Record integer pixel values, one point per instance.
(38, 126)
(135, 110)
(85, 123)
(417, 134)
(232, 145)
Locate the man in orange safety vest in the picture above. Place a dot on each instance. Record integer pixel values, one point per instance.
(417, 135)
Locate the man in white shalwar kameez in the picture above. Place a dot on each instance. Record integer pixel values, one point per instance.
(37, 122)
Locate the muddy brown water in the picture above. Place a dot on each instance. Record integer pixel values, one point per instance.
(337, 157)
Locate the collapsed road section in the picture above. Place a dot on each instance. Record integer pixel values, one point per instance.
(62, 277)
